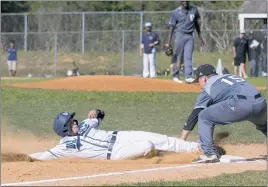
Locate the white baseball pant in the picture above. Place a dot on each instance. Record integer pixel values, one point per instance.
(136, 143)
(149, 65)
(12, 65)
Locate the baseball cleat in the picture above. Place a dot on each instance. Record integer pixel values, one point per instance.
(206, 159)
(189, 80)
(177, 80)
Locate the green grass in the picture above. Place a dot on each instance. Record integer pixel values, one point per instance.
(24, 80)
(42, 62)
(247, 178)
(35, 109)
(258, 81)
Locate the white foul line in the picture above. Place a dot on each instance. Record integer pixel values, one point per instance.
(111, 174)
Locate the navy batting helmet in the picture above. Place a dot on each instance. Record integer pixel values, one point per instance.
(61, 123)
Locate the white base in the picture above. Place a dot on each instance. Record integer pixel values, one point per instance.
(230, 159)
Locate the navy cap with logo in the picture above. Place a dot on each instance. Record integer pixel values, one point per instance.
(204, 69)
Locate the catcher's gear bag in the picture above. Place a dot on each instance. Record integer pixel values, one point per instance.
(169, 51)
(61, 123)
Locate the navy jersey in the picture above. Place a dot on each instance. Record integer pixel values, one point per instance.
(222, 87)
(241, 46)
(184, 19)
(12, 54)
(150, 38)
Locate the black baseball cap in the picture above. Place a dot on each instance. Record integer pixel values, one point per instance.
(204, 69)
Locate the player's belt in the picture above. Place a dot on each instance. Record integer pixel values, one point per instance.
(245, 97)
(110, 148)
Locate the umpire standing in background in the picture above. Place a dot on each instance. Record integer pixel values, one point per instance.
(184, 20)
(148, 51)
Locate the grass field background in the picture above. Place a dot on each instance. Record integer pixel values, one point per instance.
(248, 178)
(41, 62)
(33, 110)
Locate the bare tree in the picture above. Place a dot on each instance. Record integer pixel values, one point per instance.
(220, 28)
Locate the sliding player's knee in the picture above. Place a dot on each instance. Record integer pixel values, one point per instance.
(149, 150)
(148, 146)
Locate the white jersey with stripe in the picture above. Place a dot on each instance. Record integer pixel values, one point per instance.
(91, 142)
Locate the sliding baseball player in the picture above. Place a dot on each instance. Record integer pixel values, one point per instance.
(86, 140)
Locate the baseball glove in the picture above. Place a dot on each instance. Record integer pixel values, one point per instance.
(100, 114)
(220, 150)
(169, 51)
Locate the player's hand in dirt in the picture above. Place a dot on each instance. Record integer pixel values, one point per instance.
(92, 114)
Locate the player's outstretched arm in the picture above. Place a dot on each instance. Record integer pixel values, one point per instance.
(97, 113)
(190, 123)
(94, 119)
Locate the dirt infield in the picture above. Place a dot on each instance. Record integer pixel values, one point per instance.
(17, 167)
(112, 83)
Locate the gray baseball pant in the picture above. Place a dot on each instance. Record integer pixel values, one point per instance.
(253, 68)
(184, 52)
(229, 111)
(264, 62)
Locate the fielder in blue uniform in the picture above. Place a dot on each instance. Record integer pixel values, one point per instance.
(148, 51)
(12, 58)
(184, 20)
(225, 99)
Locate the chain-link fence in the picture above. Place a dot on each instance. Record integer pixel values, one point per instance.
(104, 42)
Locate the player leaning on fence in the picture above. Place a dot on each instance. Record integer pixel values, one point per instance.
(12, 58)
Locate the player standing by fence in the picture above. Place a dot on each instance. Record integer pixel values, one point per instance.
(240, 49)
(148, 51)
(12, 58)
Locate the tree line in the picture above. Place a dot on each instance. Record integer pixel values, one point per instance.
(79, 6)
